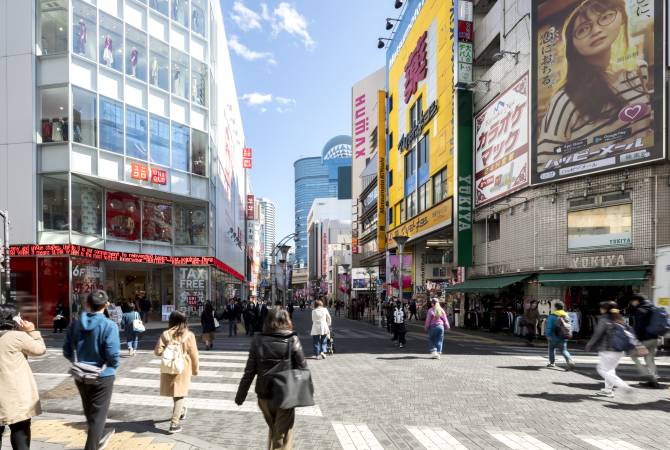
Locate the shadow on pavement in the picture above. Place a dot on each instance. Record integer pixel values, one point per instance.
(404, 357)
(525, 368)
(140, 426)
(583, 386)
(561, 398)
(658, 405)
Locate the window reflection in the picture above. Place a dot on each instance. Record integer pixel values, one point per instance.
(179, 74)
(180, 11)
(198, 8)
(157, 222)
(86, 208)
(84, 117)
(160, 140)
(161, 6)
(136, 133)
(159, 72)
(52, 28)
(190, 225)
(111, 125)
(180, 147)
(55, 209)
(199, 153)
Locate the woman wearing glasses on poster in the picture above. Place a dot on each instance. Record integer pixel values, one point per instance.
(606, 94)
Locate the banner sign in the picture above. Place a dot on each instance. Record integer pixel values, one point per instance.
(598, 86)
(246, 158)
(464, 43)
(250, 207)
(464, 179)
(501, 144)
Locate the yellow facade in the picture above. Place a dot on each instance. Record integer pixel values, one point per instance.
(435, 19)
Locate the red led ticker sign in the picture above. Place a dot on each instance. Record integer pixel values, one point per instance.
(106, 255)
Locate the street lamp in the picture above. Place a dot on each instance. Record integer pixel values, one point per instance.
(284, 248)
(345, 266)
(373, 296)
(400, 242)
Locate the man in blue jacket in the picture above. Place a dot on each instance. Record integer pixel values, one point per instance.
(94, 340)
(555, 340)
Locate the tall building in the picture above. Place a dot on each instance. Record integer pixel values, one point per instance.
(125, 141)
(266, 213)
(320, 177)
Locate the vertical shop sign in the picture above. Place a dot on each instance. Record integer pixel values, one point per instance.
(464, 179)
(246, 158)
(381, 172)
(250, 207)
(464, 42)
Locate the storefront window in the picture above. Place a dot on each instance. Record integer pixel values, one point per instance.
(439, 186)
(136, 53)
(136, 133)
(180, 147)
(161, 6)
(84, 36)
(86, 208)
(159, 72)
(24, 285)
(199, 153)
(111, 125)
(180, 11)
(52, 28)
(87, 276)
(54, 125)
(198, 8)
(111, 43)
(160, 140)
(157, 222)
(84, 117)
(123, 216)
(180, 84)
(594, 228)
(52, 274)
(55, 211)
(199, 83)
(190, 225)
(192, 287)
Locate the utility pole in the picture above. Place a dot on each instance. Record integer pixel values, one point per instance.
(5, 260)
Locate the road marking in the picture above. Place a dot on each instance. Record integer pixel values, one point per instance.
(201, 373)
(610, 444)
(435, 439)
(590, 360)
(356, 437)
(51, 375)
(210, 404)
(229, 365)
(195, 386)
(237, 357)
(520, 441)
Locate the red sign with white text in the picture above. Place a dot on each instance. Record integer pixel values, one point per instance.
(250, 207)
(139, 171)
(246, 152)
(246, 163)
(158, 176)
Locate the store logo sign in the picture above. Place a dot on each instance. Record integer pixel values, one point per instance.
(141, 172)
(592, 262)
(158, 176)
(416, 68)
(426, 116)
(465, 203)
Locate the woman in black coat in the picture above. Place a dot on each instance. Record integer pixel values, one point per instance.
(208, 325)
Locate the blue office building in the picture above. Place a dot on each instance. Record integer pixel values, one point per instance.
(325, 176)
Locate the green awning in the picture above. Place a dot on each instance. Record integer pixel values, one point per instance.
(491, 284)
(618, 278)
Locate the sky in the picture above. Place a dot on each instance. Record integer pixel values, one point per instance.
(294, 64)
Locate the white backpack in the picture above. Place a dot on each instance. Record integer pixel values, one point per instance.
(172, 359)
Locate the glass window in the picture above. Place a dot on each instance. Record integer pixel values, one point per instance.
(86, 208)
(180, 147)
(52, 38)
(161, 6)
(136, 53)
(55, 209)
(410, 160)
(198, 8)
(423, 151)
(84, 35)
(159, 70)
(423, 197)
(84, 118)
(199, 83)
(54, 125)
(190, 225)
(123, 216)
(402, 211)
(440, 186)
(111, 125)
(179, 73)
(160, 140)
(594, 228)
(180, 11)
(199, 153)
(157, 221)
(111, 43)
(391, 177)
(136, 133)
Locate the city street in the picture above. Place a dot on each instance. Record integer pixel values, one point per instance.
(483, 393)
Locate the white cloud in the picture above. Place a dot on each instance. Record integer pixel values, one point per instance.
(265, 12)
(257, 98)
(245, 18)
(262, 101)
(250, 55)
(285, 100)
(288, 19)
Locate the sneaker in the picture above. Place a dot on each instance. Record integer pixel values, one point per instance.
(175, 429)
(551, 365)
(323, 355)
(606, 393)
(183, 413)
(628, 393)
(571, 366)
(104, 442)
(437, 356)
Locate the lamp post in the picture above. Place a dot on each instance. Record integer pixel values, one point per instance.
(400, 242)
(284, 248)
(345, 266)
(373, 297)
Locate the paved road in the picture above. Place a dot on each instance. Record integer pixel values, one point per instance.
(371, 395)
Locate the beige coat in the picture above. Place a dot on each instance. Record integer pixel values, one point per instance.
(19, 400)
(177, 385)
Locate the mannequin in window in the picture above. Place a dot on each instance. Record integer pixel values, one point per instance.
(176, 80)
(107, 52)
(57, 130)
(47, 130)
(154, 72)
(65, 129)
(133, 61)
(82, 37)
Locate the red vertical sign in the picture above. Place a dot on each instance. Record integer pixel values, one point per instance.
(250, 207)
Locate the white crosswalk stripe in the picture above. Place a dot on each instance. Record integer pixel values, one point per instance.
(230, 365)
(520, 441)
(610, 444)
(235, 357)
(201, 373)
(435, 439)
(195, 385)
(356, 437)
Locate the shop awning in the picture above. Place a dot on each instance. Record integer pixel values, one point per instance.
(486, 284)
(618, 278)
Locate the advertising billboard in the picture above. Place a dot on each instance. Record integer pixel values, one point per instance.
(360, 277)
(501, 144)
(598, 86)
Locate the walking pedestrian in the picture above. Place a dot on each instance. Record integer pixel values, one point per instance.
(231, 315)
(531, 316)
(608, 356)
(268, 350)
(208, 325)
(436, 324)
(94, 340)
(131, 335)
(61, 315)
(181, 342)
(412, 310)
(321, 321)
(145, 307)
(399, 324)
(290, 310)
(642, 314)
(248, 317)
(558, 330)
(20, 400)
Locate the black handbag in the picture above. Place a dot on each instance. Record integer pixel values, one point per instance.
(288, 387)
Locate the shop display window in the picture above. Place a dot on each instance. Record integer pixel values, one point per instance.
(136, 133)
(180, 147)
(199, 83)
(198, 16)
(52, 274)
(180, 75)
(111, 43)
(136, 53)
(157, 221)
(54, 126)
(180, 12)
(123, 216)
(88, 275)
(55, 211)
(160, 140)
(199, 153)
(159, 70)
(162, 6)
(84, 36)
(84, 118)
(52, 37)
(190, 225)
(111, 125)
(24, 286)
(86, 208)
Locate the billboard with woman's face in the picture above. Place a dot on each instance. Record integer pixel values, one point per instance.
(598, 86)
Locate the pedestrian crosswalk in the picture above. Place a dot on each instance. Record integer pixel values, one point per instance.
(521, 441)
(435, 439)
(356, 334)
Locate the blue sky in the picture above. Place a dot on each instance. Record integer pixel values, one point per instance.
(294, 64)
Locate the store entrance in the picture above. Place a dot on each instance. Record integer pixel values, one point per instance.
(146, 288)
